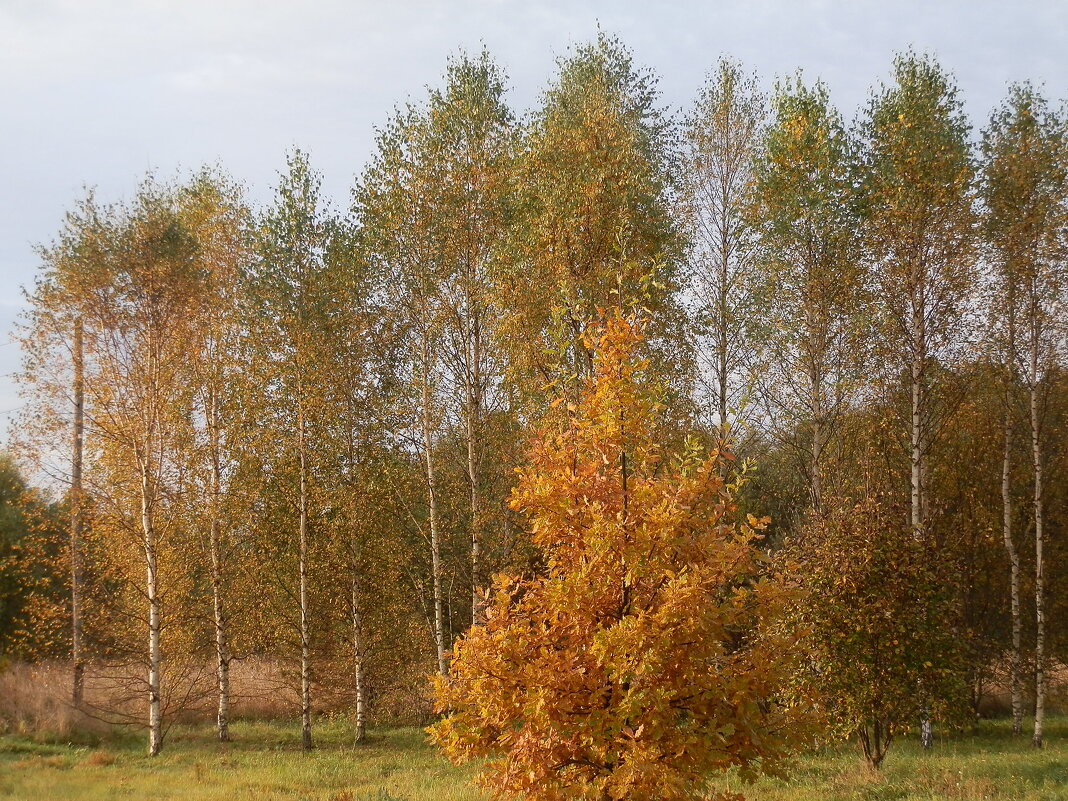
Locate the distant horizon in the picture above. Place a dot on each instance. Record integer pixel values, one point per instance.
(97, 95)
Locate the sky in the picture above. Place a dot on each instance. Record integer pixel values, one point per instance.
(97, 93)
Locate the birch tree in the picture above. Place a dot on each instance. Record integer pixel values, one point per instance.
(356, 390)
(720, 146)
(213, 209)
(917, 184)
(1025, 172)
(144, 311)
(402, 224)
(809, 272)
(593, 227)
(467, 159)
(53, 381)
(287, 299)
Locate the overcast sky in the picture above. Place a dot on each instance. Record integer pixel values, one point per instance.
(98, 92)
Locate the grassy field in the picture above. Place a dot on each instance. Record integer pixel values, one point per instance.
(265, 763)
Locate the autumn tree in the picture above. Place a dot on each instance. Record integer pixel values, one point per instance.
(811, 333)
(917, 193)
(916, 183)
(1024, 193)
(593, 228)
(53, 383)
(355, 392)
(142, 308)
(287, 301)
(641, 658)
(214, 211)
(399, 227)
(721, 143)
(873, 609)
(35, 580)
(464, 158)
(433, 210)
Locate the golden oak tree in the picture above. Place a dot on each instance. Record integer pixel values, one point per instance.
(642, 658)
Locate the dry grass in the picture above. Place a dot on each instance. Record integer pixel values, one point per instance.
(98, 759)
(263, 762)
(35, 699)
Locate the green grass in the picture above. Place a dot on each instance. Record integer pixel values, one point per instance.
(987, 763)
(265, 762)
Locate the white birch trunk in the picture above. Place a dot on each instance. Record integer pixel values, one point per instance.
(918, 453)
(1040, 611)
(155, 722)
(357, 655)
(473, 413)
(435, 536)
(1015, 669)
(916, 450)
(302, 567)
(76, 518)
(722, 323)
(222, 650)
(819, 438)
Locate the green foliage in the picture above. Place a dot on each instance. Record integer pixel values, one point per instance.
(33, 569)
(916, 188)
(593, 228)
(877, 617)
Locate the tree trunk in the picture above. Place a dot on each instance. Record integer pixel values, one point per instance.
(76, 518)
(435, 539)
(875, 742)
(305, 644)
(916, 449)
(918, 453)
(1014, 575)
(476, 527)
(155, 722)
(917, 505)
(722, 332)
(1040, 611)
(818, 441)
(357, 655)
(473, 425)
(222, 650)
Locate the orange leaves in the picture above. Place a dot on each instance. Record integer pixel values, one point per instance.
(640, 660)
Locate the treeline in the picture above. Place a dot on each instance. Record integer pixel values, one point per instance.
(292, 431)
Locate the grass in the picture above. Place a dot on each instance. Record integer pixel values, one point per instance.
(987, 764)
(265, 762)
